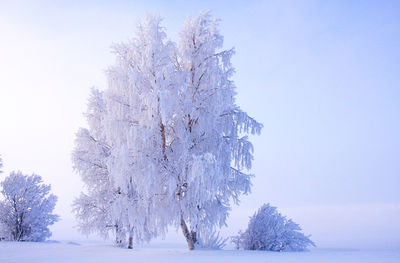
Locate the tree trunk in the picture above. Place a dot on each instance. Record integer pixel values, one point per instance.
(187, 235)
(118, 240)
(130, 245)
(194, 236)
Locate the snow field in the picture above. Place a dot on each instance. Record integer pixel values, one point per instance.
(13, 252)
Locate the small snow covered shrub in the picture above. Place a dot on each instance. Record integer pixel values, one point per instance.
(210, 239)
(269, 230)
(26, 208)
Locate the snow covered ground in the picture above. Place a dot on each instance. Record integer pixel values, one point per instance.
(99, 252)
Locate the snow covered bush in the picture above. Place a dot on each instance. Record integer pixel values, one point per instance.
(209, 239)
(26, 208)
(269, 230)
(166, 142)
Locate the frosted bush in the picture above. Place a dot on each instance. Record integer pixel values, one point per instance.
(26, 208)
(210, 239)
(269, 230)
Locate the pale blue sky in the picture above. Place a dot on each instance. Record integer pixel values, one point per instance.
(322, 76)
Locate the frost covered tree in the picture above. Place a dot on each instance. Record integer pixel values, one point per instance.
(141, 90)
(213, 153)
(26, 208)
(94, 207)
(269, 230)
(1, 164)
(129, 126)
(171, 140)
(89, 156)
